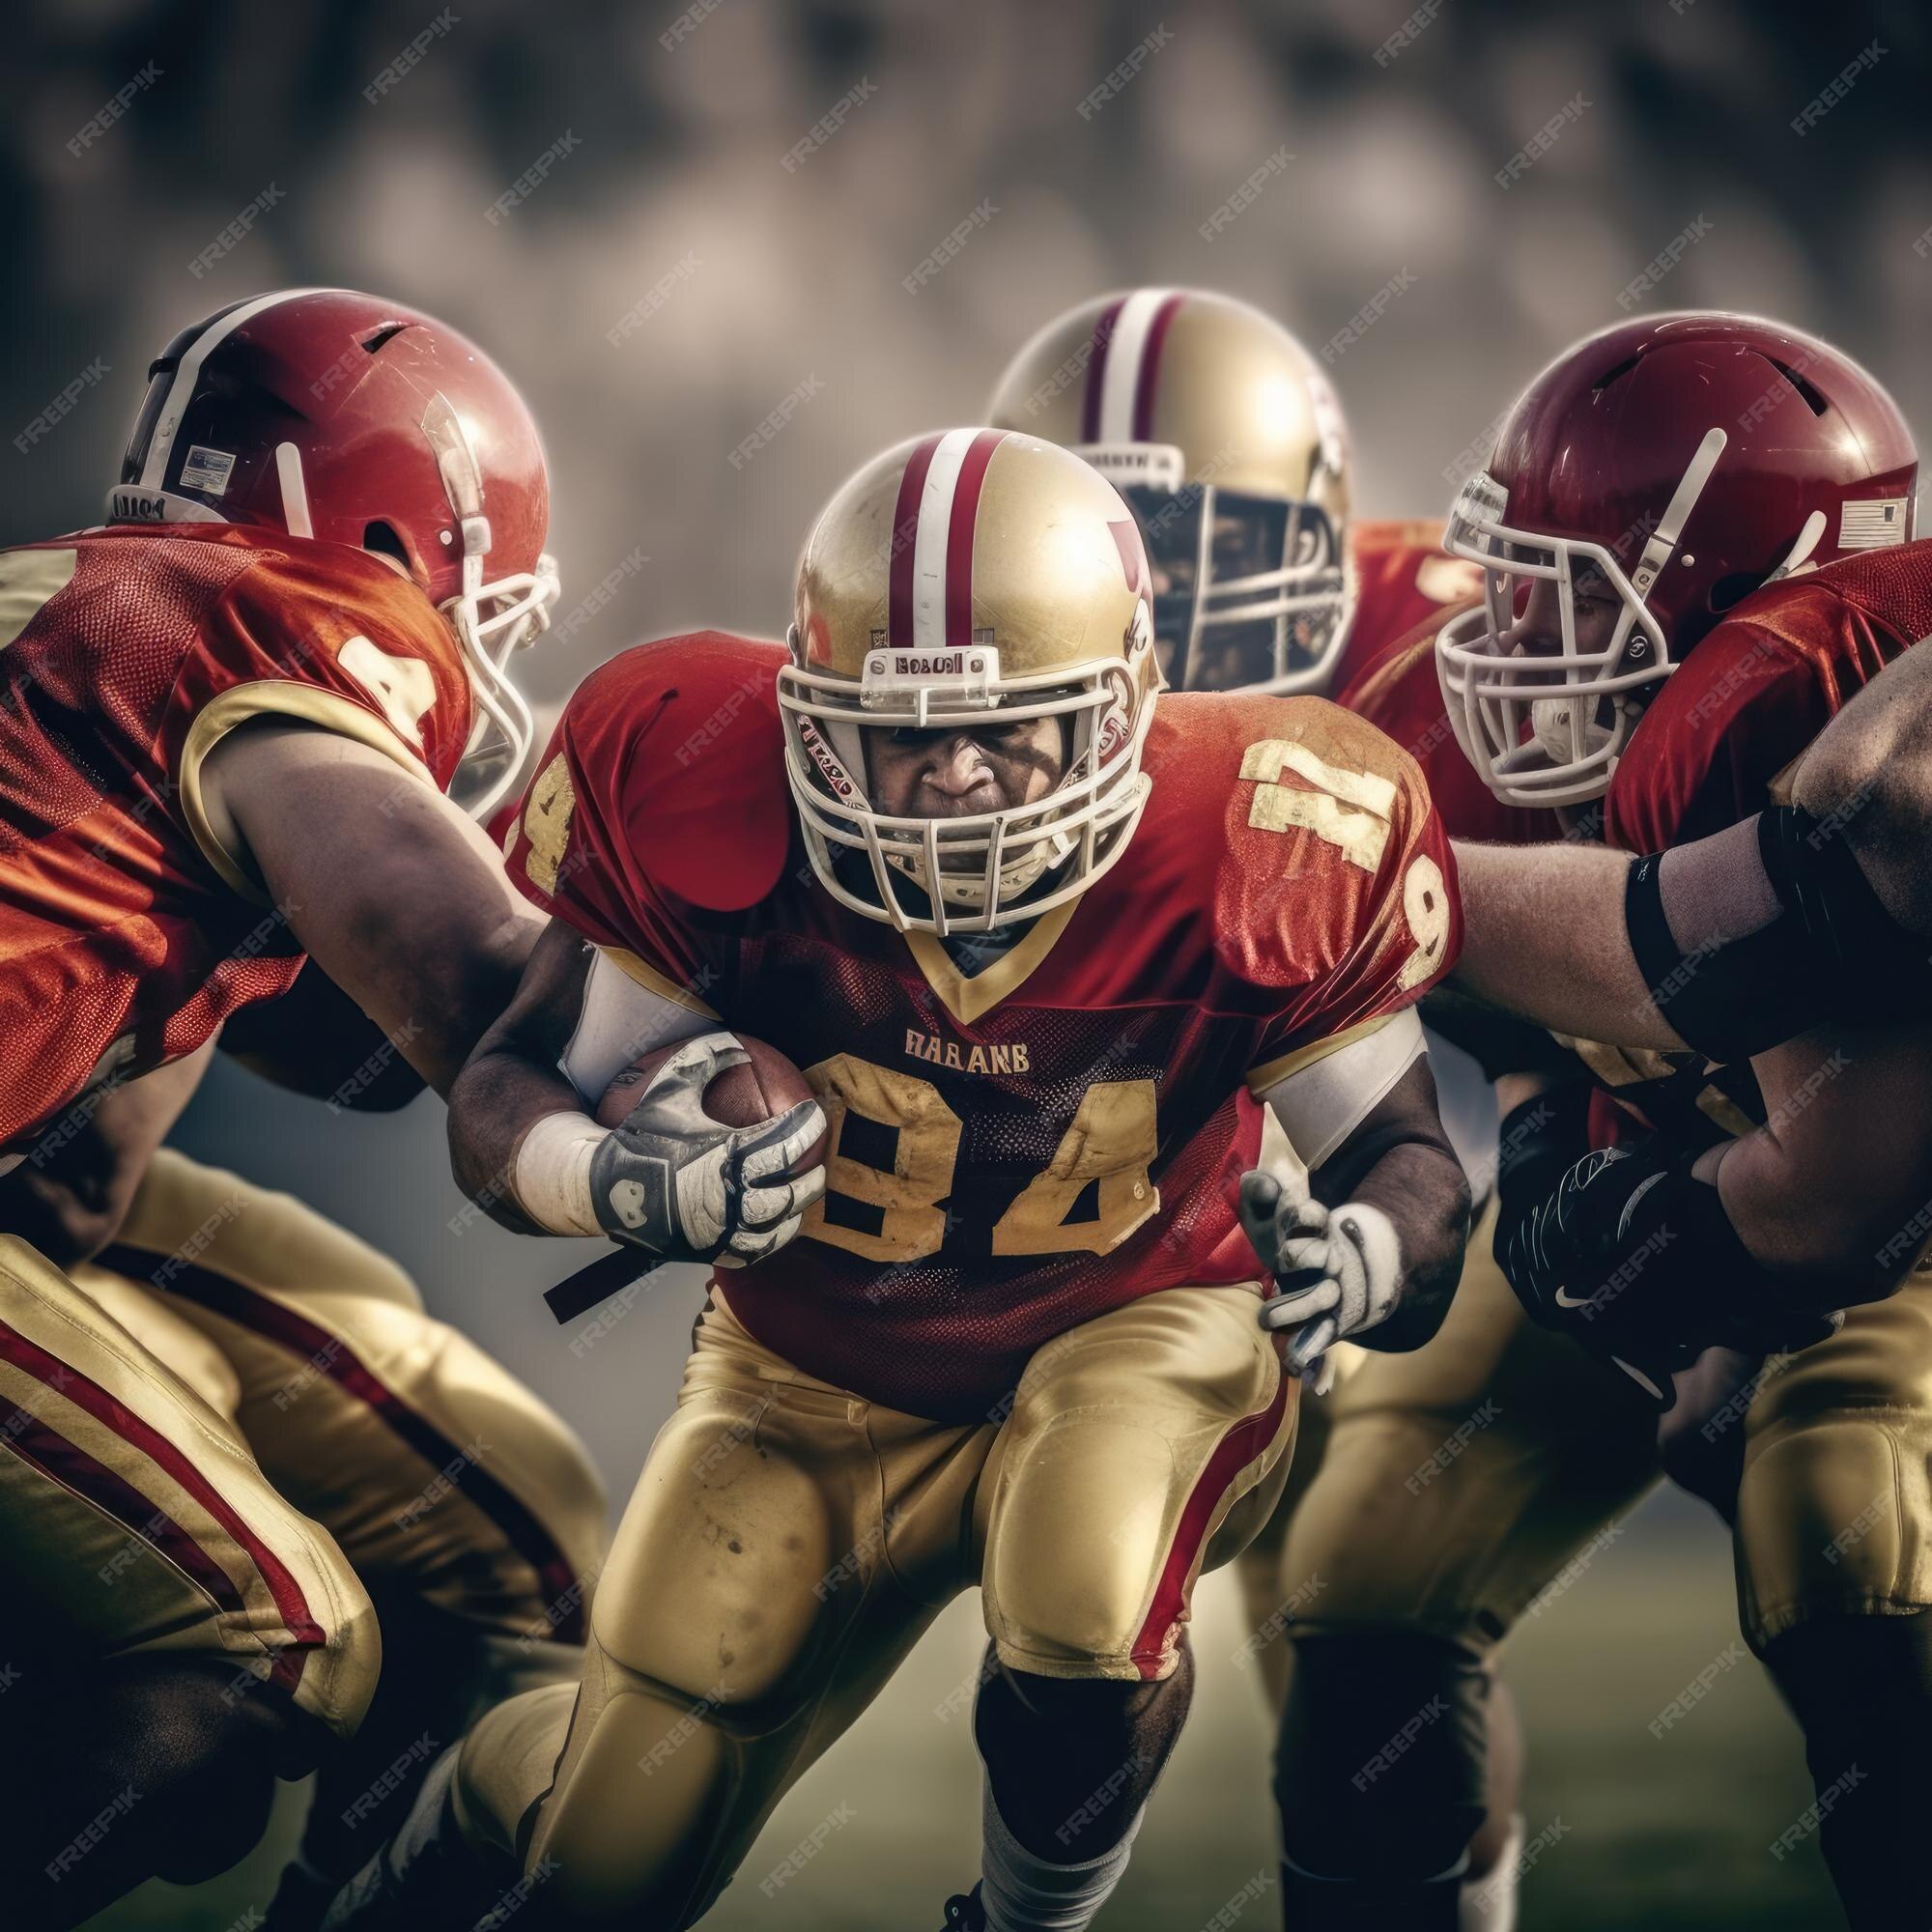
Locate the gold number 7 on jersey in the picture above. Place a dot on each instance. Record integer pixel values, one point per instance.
(1108, 1147)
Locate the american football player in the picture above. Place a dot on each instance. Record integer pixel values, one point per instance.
(1053, 952)
(1741, 940)
(1682, 471)
(228, 722)
(1226, 436)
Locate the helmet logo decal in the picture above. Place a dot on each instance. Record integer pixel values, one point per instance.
(207, 470)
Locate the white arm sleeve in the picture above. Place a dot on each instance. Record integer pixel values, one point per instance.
(622, 1021)
(1321, 1105)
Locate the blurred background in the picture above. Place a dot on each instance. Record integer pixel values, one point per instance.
(730, 251)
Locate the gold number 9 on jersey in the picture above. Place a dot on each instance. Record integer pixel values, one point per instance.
(1108, 1147)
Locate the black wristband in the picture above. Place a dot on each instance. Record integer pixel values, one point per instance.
(1732, 1000)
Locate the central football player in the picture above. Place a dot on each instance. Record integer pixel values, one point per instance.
(1044, 943)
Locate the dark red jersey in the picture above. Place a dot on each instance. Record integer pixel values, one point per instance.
(1402, 578)
(1709, 751)
(126, 932)
(1398, 692)
(1019, 1149)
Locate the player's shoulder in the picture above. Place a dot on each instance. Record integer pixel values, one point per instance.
(706, 700)
(1753, 693)
(1251, 791)
(1209, 733)
(679, 746)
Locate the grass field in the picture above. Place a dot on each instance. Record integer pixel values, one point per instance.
(1669, 1834)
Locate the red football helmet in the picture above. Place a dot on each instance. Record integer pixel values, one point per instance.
(345, 418)
(1678, 463)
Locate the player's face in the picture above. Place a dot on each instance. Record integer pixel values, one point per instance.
(954, 773)
(1538, 631)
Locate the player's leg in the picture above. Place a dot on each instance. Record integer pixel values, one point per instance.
(785, 1545)
(1834, 1569)
(1458, 1481)
(1143, 1447)
(177, 1636)
(469, 1510)
(1270, 1598)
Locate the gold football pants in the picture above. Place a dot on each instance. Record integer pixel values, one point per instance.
(788, 1543)
(213, 1436)
(1460, 1481)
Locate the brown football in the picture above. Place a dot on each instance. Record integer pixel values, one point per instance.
(764, 1084)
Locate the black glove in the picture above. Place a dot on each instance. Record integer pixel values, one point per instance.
(1636, 1260)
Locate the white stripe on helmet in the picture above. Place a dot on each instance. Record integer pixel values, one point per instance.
(180, 391)
(929, 541)
(1127, 349)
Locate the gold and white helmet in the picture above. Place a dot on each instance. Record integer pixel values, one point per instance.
(958, 578)
(1223, 435)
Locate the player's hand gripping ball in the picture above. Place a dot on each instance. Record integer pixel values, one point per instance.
(716, 1149)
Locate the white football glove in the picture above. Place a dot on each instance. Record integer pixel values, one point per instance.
(690, 1188)
(1337, 1272)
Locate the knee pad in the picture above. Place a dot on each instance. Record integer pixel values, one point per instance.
(1380, 1766)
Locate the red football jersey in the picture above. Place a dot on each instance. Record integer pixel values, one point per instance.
(1710, 748)
(1402, 578)
(126, 933)
(1016, 1150)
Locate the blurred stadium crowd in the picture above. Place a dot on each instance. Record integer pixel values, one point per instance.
(730, 250)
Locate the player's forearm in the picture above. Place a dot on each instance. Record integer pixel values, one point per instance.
(1422, 1189)
(1836, 1187)
(1544, 937)
(497, 1100)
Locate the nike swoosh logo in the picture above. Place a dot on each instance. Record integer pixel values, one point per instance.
(1565, 1299)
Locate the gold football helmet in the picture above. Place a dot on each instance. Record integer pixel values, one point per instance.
(961, 580)
(1223, 435)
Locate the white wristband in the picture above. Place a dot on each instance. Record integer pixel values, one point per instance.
(550, 1178)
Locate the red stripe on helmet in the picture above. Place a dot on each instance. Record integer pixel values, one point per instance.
(1150, 369)
(905, 542)
(1097, 370)
(959, 535)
